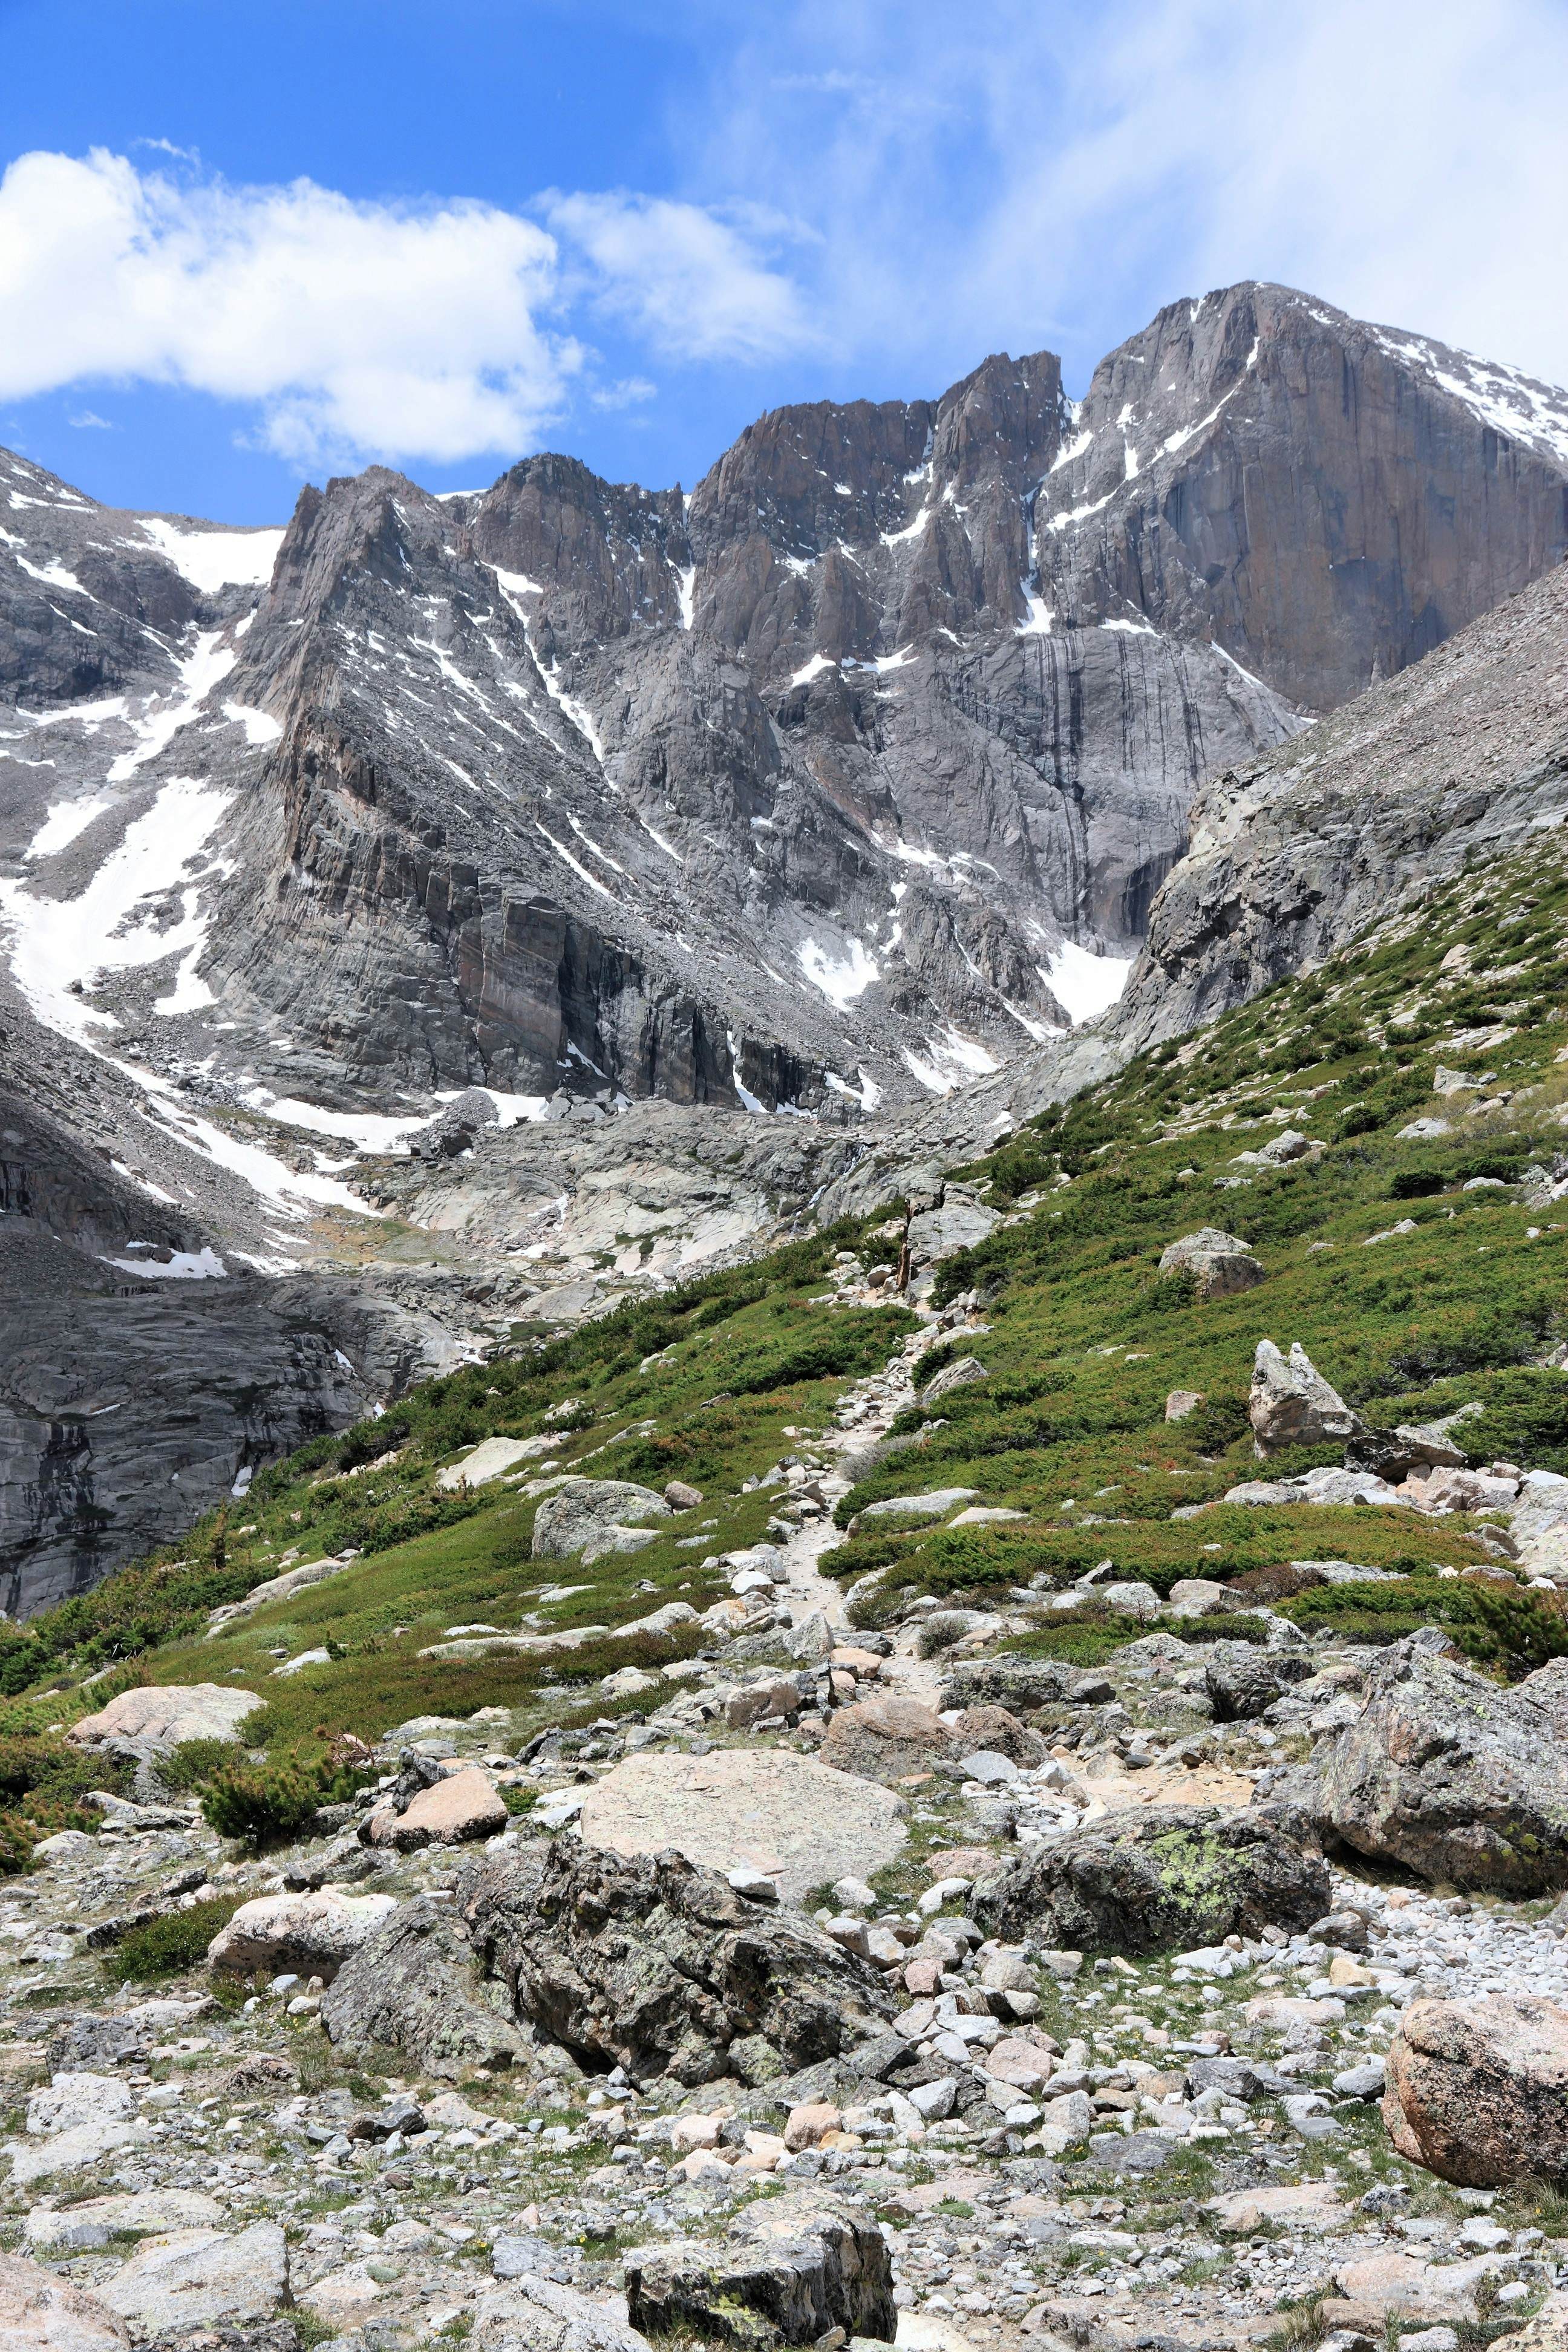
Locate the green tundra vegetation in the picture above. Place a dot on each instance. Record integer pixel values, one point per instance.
(1422, 1273)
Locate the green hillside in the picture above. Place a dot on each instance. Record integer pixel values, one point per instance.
(713, 1383)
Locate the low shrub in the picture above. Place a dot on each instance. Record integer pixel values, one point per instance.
(262, 1802)
(168, 1947)
(1497, 1625)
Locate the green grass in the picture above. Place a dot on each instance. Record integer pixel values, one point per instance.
(1087, 1339)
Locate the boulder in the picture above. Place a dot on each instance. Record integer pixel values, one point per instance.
(1218, 1264)
(1023, 1684)
(1182, 1403)
(41, 2313)
(992, 1728)
(415, 1986)
(787, 2271)
(201, 2278)
(650, 1963)
(935, 1505)
(887, 1737)
(530, 2314)
(1393, 1454)
(159, 1716)
(1243, 1679)
(1478, 2090)
(1165, 1877)
(962, 1374)
(312, 1934)
(588, 1518)
(797, 1819)
(459, 1806)
(1292, 1404)
(1450, 1775)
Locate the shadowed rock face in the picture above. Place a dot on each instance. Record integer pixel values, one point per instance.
(1465, 756)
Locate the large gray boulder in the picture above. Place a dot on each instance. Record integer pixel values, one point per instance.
(586, 1517)
(415, 1986)
(1478, 2090)
(1165, 1878)
(787, 2271)
(1242, 1678)
(1452, 1775)
(1292, 1404)
(648, 1962)
(1218, 1263)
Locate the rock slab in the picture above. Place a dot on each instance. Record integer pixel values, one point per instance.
(793, 1818)
(162, 1715)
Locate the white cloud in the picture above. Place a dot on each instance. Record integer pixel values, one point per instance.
(1032, 173)
(691, 283)
(354, 328)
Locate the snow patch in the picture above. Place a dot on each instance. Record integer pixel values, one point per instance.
(1085, 985)
(841, 978)
(181, 1266)
(686, 594)
(57, 941)
(259, 726)
(812, 669)
(211, 559)
(63, 823)
(953, 1060)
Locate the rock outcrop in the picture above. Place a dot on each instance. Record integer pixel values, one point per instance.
(652, 1964)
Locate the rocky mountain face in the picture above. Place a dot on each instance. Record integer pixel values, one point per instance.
(353, 874)
(1457, 763)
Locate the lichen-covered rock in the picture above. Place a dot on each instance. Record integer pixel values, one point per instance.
(1478, 2090)
(787, 2271)
(648, 1962)
(1167, 1877)
(1452, 1775)
(1242, 1678)
(1292, 1404)
(415, 1986)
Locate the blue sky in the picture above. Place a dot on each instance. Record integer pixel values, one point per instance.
(245, 242)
